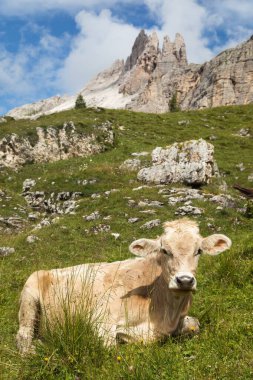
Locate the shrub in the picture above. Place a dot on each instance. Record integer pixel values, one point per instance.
(80, 102)
(173, 105)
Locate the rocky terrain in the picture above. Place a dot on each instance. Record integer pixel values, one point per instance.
(151, 76)
(53, 144)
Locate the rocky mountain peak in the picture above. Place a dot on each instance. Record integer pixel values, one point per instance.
(151, 76)
(137, 49)
(174, 52)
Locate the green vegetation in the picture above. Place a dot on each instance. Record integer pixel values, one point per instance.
(80, 103)
(173, 104)
(223, 303)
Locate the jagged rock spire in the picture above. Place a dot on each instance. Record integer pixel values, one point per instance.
(137, 49)
(174, 52)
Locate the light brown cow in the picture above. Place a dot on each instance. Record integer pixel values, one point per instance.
(145, 298)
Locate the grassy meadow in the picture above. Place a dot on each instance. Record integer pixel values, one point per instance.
(224, 300)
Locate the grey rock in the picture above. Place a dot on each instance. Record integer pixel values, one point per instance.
(95, 196)
(240, 167)
(100, 228)
(183, 122)
(151, 224)
(28, 184)
(188, 210)
(93, 216)
(2, 120)
(131, 164)
(115, 235)
(133, 220)
(33, 216)
(136, 154)
(137, 50)
(223, 200)
(6, 251)
(191, 162)
(148, 203)
(32, 239)
(244, 132)
(54, 144)
(250, 177)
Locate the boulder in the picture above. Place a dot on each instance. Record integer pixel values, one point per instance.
(190, 162)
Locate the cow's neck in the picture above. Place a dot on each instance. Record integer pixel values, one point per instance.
(167, 306)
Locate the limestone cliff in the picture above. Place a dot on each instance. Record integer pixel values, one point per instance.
(54, 144)
(151, 76)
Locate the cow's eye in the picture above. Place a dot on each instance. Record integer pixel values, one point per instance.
(198, 252)
(167, 253)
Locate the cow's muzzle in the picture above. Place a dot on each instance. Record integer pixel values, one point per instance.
(183, 281)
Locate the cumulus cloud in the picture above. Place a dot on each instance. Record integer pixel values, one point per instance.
(29, 73)
(102, 39)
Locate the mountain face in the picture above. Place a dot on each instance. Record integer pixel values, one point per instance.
(151, 76)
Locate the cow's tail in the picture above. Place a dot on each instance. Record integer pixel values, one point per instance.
(29, 313)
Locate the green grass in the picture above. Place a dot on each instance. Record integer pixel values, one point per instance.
(223, 303)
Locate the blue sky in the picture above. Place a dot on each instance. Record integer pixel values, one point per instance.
(51, 47)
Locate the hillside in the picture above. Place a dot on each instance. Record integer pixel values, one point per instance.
(51, 234)
(153, 75)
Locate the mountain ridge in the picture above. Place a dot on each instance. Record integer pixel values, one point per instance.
(151, 76)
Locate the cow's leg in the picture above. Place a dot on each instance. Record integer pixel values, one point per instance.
(28, 318)
(187, 326)
(141, 333)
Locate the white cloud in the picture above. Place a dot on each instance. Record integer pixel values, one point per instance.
(188, 18)
(102, 40)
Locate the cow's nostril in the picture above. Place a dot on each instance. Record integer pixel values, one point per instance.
(185, 281)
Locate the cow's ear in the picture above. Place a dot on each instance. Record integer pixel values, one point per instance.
(215, 244)
(144, 247)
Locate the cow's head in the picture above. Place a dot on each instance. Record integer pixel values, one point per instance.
(178, 250)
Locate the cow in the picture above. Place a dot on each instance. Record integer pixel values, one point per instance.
(140, 299)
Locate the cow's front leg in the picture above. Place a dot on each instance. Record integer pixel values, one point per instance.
(133, 334)
(187, 326)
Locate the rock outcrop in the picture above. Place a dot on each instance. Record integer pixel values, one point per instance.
(190, 162)
(54, 144)
(151, 76)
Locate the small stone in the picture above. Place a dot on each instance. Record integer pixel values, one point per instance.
(240, 167)
(100, 228)
(95, 196)
(183, 122)
(244, 132)
(140, 154)
(94, 216)
(131, 203)
(188, 210)
(115, 235)
(151, 224)
(250, 177)
(133, 220)
(6, 251)
(146, 202)
(28, 184)
(32, 239)
(141, 187)
(33, 216)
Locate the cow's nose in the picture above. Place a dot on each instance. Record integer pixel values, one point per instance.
(185, 282)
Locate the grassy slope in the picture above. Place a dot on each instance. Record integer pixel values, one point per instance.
(223, 301)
